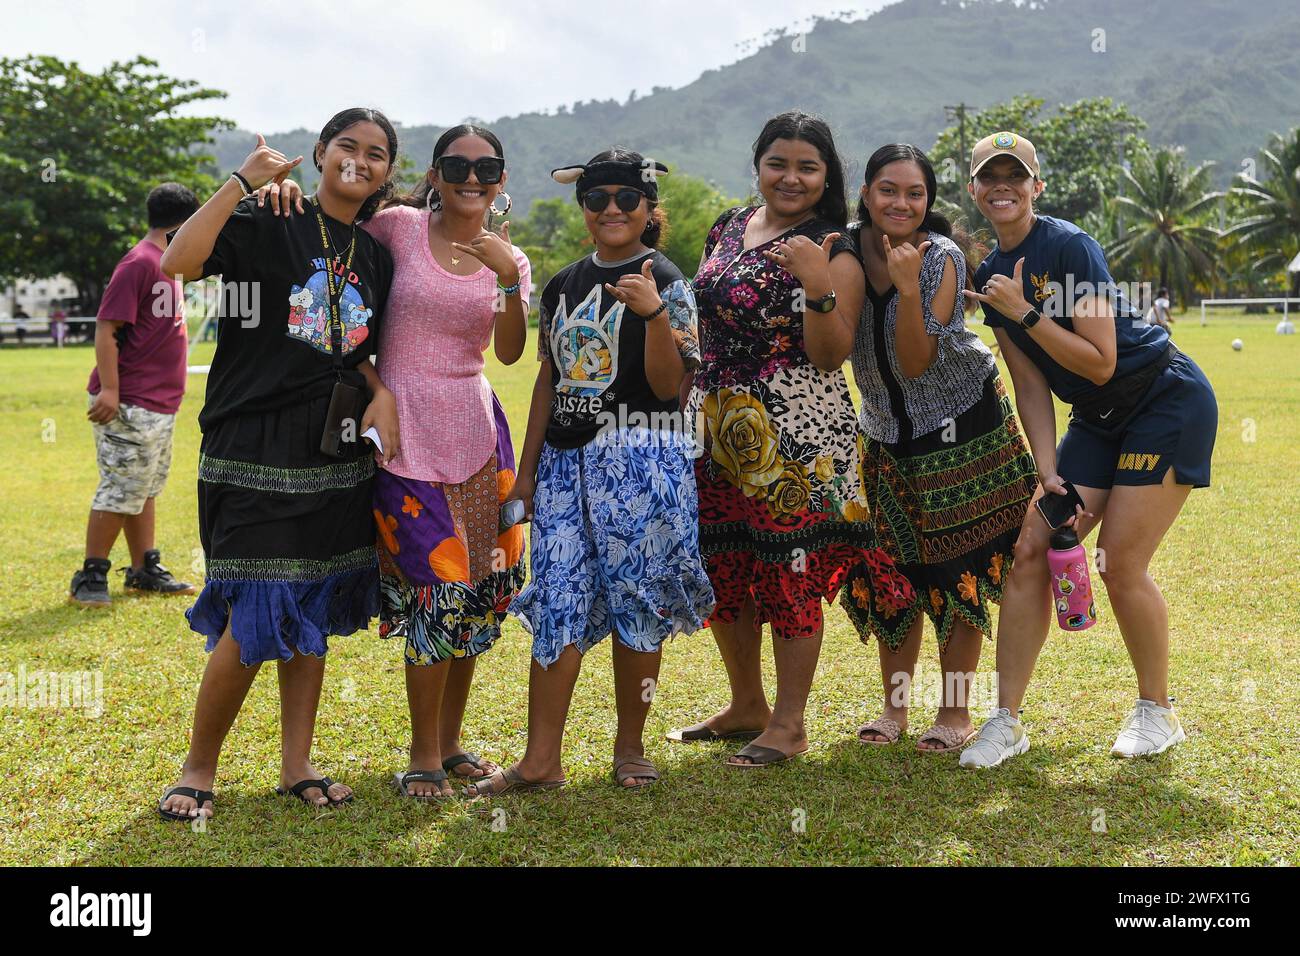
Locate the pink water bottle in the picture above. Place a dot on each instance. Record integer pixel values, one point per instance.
(1071, 586)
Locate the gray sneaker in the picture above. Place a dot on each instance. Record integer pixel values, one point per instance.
(90, 584)
(1001, 737)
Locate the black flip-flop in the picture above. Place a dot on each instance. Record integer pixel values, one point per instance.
(760, 756)
(323, 785)
(200, 796)
(403, 782)
(468, 757)
(703, 733)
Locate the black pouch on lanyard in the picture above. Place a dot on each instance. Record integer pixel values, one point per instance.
(342, 436)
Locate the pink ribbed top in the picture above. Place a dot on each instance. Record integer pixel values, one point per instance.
(435, 328)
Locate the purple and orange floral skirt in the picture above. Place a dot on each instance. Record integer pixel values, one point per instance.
(446, 572)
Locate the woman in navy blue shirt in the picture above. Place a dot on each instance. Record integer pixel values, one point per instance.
(1141, 432)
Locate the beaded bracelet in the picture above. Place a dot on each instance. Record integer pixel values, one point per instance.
(509, 289)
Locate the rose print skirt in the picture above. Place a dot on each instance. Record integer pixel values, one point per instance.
(446, 572)
(782, 521)
(948, 512)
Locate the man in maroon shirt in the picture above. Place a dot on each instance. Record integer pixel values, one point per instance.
(135, 391)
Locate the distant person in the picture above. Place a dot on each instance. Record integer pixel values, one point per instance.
(1158, 314)
(135, 391)
(58, 327)
(1140, 437)
(20, 330)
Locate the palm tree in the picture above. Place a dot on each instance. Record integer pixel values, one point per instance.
(1165, 208)
(1270, 223)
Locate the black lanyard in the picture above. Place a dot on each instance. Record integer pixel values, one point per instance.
(335, 293)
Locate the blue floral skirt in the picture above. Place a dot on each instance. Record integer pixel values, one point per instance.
(614, 545)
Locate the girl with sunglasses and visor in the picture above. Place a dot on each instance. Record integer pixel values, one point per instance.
(447, 570)
(606, 472)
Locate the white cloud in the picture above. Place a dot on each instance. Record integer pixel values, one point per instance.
(286, 64)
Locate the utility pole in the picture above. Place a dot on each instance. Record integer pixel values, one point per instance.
(958, 113)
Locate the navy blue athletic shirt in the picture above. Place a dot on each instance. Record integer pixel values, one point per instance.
(1062, 265)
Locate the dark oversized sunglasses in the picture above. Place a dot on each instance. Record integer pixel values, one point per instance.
(626, 199)
(455, 169)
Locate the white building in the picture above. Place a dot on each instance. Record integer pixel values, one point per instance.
(35, 296)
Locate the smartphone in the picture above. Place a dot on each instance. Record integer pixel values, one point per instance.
(512, 512)
(1058, 509)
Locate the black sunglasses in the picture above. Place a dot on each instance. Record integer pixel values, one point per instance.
(626, 199)
(455, 169)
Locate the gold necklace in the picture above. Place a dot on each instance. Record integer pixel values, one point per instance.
(451, 250)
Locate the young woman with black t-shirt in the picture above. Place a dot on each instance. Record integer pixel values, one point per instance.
(284, 507)
(606, 473)
(1141, 433)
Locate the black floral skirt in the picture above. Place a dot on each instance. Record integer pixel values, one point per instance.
(947, 507)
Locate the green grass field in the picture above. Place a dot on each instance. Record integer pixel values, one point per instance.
(80, 786)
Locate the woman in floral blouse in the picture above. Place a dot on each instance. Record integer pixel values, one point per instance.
(781, 517)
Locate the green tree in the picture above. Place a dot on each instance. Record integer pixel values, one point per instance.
(692, 206)
(1267, 209)
(1166, 207)
(80, 151)
(1080, 149)
(552, 235)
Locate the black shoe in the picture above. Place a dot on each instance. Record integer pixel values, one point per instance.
(153, 577)
(90, 584)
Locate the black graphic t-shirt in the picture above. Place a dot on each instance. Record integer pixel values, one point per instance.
(273, 338)
(597, 347)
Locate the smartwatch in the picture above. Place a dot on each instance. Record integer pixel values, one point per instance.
(1030, 319)
(825, 304)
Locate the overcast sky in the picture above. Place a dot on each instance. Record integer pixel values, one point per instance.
(421, 61)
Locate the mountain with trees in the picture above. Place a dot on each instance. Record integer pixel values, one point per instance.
(1216, 78)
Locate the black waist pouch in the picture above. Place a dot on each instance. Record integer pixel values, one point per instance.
(1109, 410)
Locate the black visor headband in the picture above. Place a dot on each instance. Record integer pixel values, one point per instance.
(640, 175)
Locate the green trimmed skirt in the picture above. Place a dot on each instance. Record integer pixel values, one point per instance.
(288, 535)
(947, 507)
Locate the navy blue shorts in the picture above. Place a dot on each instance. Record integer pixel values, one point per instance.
(1175, 427)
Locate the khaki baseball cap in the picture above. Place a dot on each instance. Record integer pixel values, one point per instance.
(1004, 144)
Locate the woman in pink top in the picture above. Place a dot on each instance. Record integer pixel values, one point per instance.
(447, 574)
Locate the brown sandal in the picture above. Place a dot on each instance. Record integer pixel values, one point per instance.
(630, 768)
(886, 727)
(760, 756)
(514, 783)
(951, 738)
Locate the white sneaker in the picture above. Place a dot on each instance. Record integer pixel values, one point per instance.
(1149, 729)
(1000, 737)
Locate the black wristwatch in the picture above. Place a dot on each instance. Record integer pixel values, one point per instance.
(1030, 318)
(825, 304)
